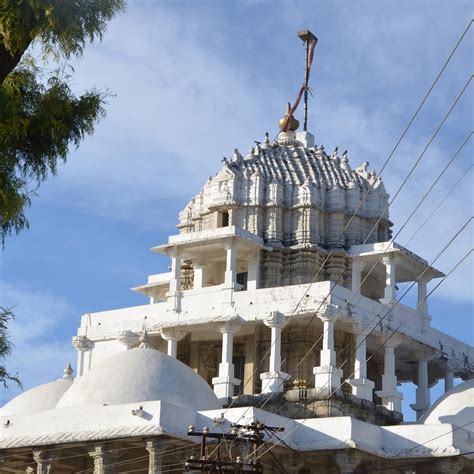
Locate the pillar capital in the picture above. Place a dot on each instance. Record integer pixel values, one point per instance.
(82, 343)
(347, 461)
(102, 457)
(175, 252)
(424, 278)
(43, 459)
(360, 328)
(128, 338)
(449, 466)
(358, 264)
(390, 259)
(228, 244)
(328, 312)
(275, 319)
(172, 334)
(423, 355)
(156, 449)
(390, 340)
(230, 327)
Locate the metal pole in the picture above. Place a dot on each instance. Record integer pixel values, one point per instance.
(305, 123)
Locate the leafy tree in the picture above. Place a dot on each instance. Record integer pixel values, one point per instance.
(40, 116)
(6, 347)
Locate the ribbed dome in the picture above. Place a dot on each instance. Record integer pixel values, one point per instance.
(455, 407)
(42, 397)
(140, 375)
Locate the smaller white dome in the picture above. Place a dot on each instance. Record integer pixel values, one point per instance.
(41, 397)
(455, 407)
(140, 375)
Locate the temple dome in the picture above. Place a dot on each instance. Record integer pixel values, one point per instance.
(41, 397)
(140, 375)
(454, 407)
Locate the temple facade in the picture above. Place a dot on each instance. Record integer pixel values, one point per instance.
(284, 304)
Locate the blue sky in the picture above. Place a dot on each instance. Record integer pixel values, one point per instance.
(192, 81)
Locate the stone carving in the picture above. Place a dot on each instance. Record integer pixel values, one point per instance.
(82, 343)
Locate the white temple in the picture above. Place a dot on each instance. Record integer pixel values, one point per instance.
(281, 306)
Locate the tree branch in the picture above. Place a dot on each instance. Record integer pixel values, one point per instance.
(9, 62)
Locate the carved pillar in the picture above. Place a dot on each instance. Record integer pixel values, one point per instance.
(156, 450)
(362, 387)
(174, 294)
(273, 380)
(391, 398)
(448, 380)
(347, 461)
(198, 275)
(44, 460)
(103, 459)
(224, 384)
(357, 268)
(422, 305)
(172, 335)
(253, 278)
(422, 389)
(230, 267)
(82, 344)
(129, 339)
(390, 278)
(449, 466)
(327, 375)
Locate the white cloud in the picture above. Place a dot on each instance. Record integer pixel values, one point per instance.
(39, 333)
(186, 96)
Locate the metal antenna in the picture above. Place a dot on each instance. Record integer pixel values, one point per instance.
(310, 41)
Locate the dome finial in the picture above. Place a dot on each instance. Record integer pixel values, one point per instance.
(144, 340)
(68, 372)
(288, 122)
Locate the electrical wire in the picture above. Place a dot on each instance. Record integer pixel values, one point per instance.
(357, 290)
(347, 225)
(387, 339)
(407, 127)
(414, 166)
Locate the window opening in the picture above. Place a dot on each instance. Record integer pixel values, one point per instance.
(241, 279)
(239, 366)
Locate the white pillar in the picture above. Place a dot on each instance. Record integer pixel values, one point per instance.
(103, 457)
(422, 306)
(362, 387)
(391, 397)
(327, 375)
(172, 335)
(156, 450)
(422, 389)
(347, 461)
(82, 344)
(231, 263)
(448, 380)
(273, 380)
(174, 294)
(198, 275)
(43, 460)
(224, 384)
(253, 271)
(357, 268)
(390, 276)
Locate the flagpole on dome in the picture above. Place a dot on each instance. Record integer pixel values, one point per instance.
(310, 41)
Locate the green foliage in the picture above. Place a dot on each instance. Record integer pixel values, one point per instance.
(61, 26)
(6, 315)
(38, 123)
(41, 117)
